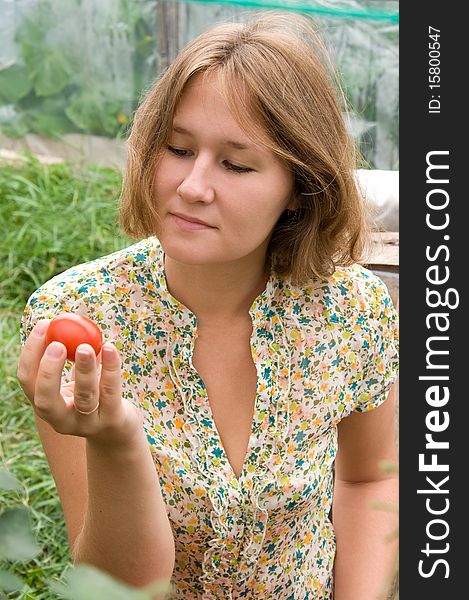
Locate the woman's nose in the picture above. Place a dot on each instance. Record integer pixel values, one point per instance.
(196, 185)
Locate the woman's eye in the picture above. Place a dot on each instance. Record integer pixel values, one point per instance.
(227, 164)
(178, 151)
(236, 168)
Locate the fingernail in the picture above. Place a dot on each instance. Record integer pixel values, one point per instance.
(41, 326)
(111, 353)
(107, 351)
(55, 350)
(82, 354)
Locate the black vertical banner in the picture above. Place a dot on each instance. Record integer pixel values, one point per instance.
(434, 267)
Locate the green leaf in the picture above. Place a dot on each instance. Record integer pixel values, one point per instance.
(9, 582)
(92, 113)
(16, 537)
(49, 124)
(88, 583)
(8, 482)
(16, 127)
(34, 28)
(14, 84)
(46, 115)
(50, 75)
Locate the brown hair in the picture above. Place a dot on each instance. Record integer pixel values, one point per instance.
(280, 85)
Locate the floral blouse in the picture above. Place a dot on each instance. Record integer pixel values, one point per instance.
(321, 351)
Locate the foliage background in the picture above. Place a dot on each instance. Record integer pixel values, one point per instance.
(51, 217)
(80, 66)
(70, 66)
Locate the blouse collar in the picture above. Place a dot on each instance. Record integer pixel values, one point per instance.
(260, 310)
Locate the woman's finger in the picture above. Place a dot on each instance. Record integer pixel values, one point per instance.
(98, 365)
(48, 401)
(30, 358)
(110, 384)
(86, 392)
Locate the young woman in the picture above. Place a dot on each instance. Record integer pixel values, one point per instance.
(219, 440)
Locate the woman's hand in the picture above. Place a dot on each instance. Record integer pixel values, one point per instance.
(91, 405)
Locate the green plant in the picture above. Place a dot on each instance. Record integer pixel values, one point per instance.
(77, 78)
(16, 538)
(53, 217)
(366, 56)
(17, 543)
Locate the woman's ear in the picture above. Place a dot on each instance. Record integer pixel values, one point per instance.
(291, 215)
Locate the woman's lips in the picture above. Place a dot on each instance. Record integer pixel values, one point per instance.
(186, 224)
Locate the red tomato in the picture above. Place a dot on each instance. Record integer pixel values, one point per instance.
(72, 330)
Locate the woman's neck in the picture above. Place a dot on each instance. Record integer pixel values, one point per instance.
(216, 292)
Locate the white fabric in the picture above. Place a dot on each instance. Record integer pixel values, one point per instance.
(380, 190)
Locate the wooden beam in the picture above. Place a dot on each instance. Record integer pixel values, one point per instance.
(385, 250)
(167, 27)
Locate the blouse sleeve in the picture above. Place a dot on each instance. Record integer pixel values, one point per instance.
(39, 306)
(380, 359)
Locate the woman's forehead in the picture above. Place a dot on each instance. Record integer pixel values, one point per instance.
(210, 94)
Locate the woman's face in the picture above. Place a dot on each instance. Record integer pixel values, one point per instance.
(212, 172)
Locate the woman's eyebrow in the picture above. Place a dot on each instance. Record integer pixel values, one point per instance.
(232, 143)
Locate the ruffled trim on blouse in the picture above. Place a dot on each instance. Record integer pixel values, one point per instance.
(224, 564)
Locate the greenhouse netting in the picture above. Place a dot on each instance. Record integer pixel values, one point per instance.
(72, 71)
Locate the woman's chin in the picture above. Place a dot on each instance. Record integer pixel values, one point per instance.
(190, 253)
